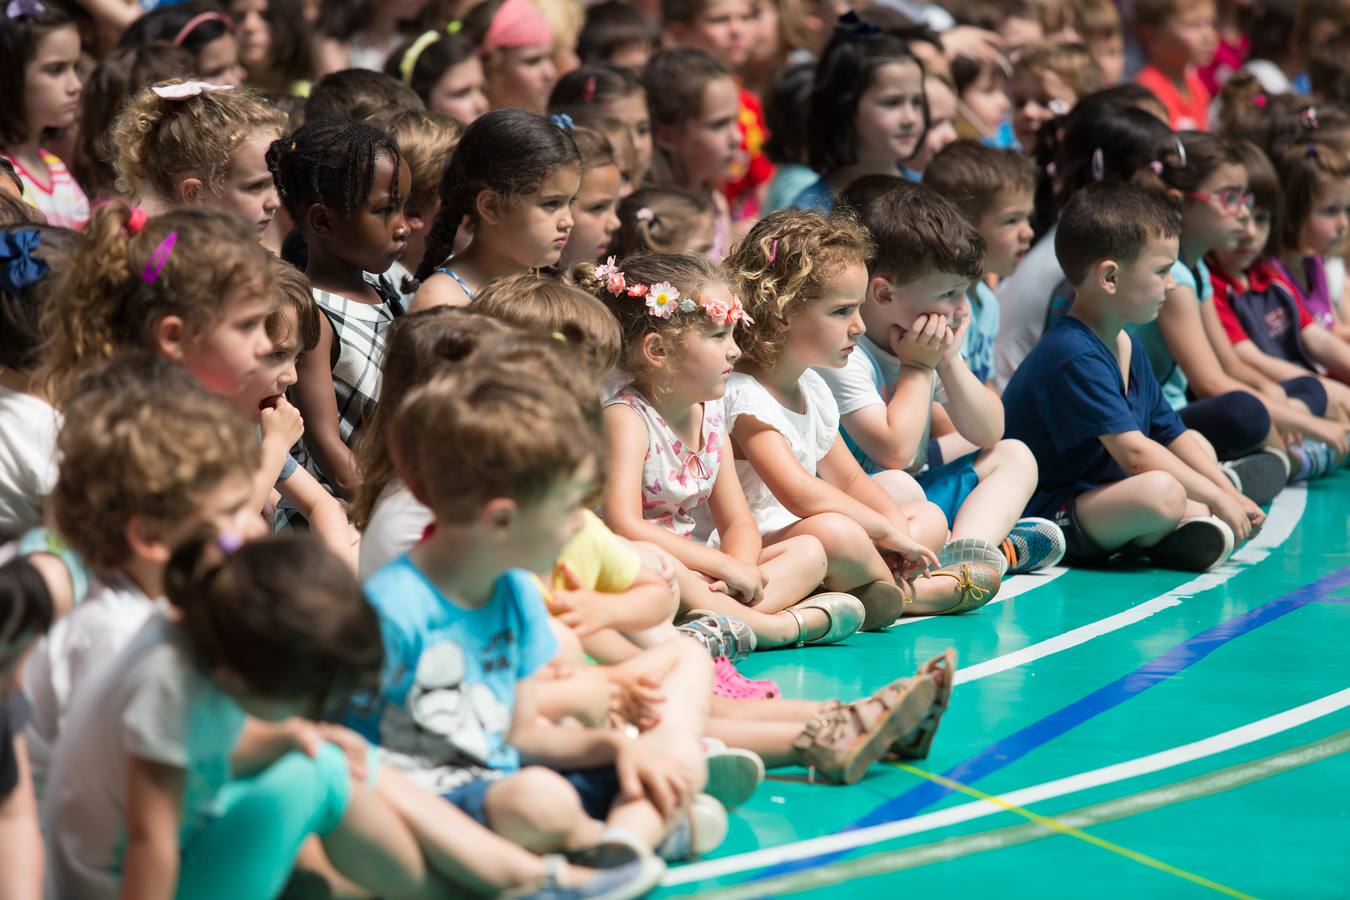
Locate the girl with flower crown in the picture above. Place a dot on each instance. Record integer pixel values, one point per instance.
(665, 444)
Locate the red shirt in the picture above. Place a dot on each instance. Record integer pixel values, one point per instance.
(754, 168)
(1266, 312)
(1184, 113)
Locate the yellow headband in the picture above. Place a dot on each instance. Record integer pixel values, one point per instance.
(419, 46)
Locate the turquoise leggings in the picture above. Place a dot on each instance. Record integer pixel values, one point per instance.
(250, 849)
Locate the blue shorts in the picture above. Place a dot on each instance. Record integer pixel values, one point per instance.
(949, 485)
(597, 788)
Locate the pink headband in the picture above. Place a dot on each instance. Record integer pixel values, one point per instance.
(517, 24)
(197, 21)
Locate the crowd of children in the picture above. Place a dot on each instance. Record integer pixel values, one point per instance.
(410, 415)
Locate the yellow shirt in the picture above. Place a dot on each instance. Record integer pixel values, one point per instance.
(601, 560)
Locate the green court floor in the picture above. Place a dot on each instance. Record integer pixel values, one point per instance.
(1142, 734)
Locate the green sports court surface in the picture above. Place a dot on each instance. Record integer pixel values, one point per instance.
(1117, 733)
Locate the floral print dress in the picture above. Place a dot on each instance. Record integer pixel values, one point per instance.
(677, 478)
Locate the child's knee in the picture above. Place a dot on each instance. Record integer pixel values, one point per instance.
(900, 486)
(537, 798)
(1162, 494)
(806, 552)
(1017, 456)
(837, 533)
(927, 518)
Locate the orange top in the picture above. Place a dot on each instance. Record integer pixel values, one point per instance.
(1185, 112)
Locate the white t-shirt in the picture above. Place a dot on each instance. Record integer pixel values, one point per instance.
(396, 525)
(149, 702)
(77, 645)
(1024, 301)
(809, 435)
(28, 428)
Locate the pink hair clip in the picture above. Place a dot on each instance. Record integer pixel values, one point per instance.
(773, 250)
(646, 215)
(1157, 167)
(588, 90)
(1259, 100)
(155, 265)
(186, 90)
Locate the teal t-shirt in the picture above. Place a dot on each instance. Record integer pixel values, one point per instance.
(1173, 380)
(978, 348)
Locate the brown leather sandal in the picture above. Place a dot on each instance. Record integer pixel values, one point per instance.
(941, 670)
(845, 739)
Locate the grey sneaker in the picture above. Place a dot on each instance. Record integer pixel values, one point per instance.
(973, 550)
(1258, 476)
(633, 879)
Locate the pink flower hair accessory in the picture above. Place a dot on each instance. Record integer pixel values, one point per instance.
(663, 299)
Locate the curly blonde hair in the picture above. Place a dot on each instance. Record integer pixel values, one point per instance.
(142, 440)
(105, 303)
(158, 142)
(781, 266)
(689, 273)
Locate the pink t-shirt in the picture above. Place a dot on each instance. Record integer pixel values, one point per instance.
(62, 200)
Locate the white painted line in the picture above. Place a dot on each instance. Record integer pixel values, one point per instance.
(1143, 765)
(1284, 516)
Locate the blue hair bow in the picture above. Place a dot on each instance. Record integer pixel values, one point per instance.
(563, 121)
(19, 268)
(856, 26)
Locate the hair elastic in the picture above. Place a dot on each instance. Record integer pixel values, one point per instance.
(588, 90)
(645, 215)
(773, 250)
(856, 26)
(1157, 167)
(1310, 150)
(1259, 100)
(563, 121)
(559, 337)
(1181, 153)
(1098, 164)
(155, 265)
(228, 542)
(197, 20)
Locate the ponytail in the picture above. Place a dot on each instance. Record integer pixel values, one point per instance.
(283, 613)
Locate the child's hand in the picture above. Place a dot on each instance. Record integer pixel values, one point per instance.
(309, 737)
(282, 422)
(740, 581)
(636, 697)
(922, 345)
(648, 772)
(959, 325)
(1234, 515)
(914, 558)
(580, 609)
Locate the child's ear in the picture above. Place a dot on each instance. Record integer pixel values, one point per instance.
(663, 136)
(146, 540)
(489, 206)
(170, 336)
(498, 514)
(319, 220)
(1107, 276)
(653, 349)
(191, 190)
(879, 290)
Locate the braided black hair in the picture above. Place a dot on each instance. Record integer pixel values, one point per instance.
(330, 161)
(509, 151)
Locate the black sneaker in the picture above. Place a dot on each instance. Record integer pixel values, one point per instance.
(1259, 476)
(1197, 545)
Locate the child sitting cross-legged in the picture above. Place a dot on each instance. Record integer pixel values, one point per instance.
(503, 458)
(915, 317)
(1119, 470)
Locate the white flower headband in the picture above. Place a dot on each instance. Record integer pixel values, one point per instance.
(663, 299)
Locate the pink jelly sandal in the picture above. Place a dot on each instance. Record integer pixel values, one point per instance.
(728, 682)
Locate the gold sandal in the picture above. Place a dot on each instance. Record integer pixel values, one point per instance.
(844, 612)
(978, 583)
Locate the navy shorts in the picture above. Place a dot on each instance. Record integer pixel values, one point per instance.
(597, 788)
(1077, 545)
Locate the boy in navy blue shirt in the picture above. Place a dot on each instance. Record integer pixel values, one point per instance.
(1118, 470)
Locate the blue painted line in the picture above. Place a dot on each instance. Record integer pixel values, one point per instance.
(1019, 744)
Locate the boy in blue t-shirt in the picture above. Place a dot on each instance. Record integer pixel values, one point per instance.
(1118, 469)
(994, 190)
(505, 463)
